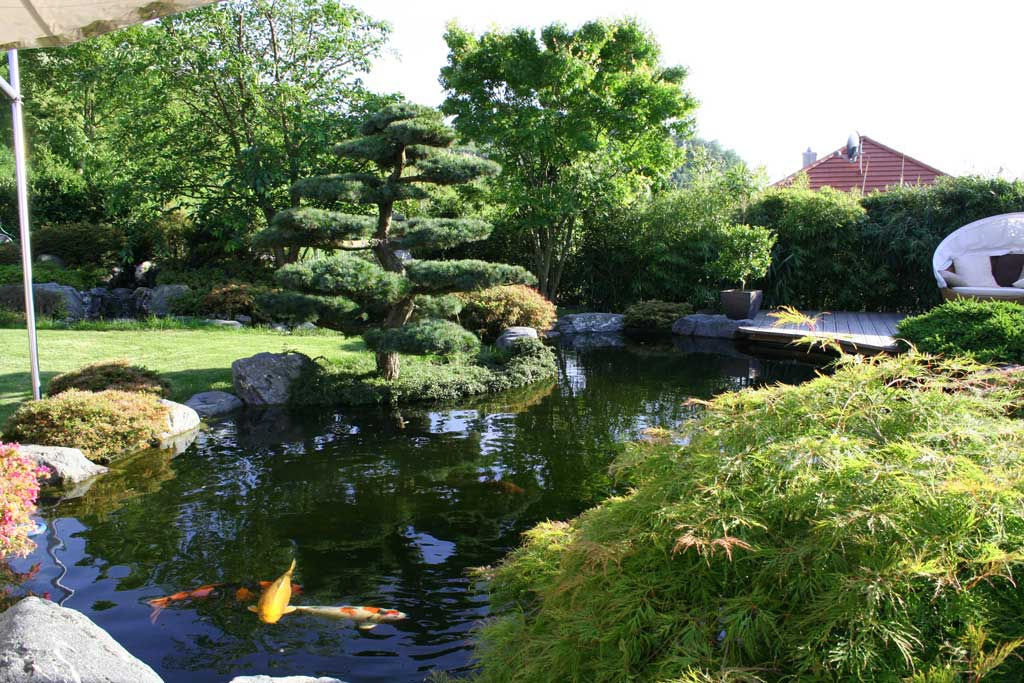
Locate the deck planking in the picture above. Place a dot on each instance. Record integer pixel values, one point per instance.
(858, 332)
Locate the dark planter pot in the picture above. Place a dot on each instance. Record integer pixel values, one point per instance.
(741, 304)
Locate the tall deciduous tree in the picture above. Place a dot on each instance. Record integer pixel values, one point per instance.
(409, 146)
(572, 116)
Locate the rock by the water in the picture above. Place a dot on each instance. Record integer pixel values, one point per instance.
(588, 323)
(506, 338)
(223, 323)
(180, 419)
(41, 642)
(266, 378)
(596, 340)
(263, 678)
(51, 260)
(74, 304)
(214, 403)
(707, 325)
(68, 466)
(163, 296)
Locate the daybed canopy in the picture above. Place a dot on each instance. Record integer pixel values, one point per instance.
(992, 236)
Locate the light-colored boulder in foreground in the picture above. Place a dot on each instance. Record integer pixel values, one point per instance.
(180, 419)
(589, 323)
(214, 403)
(263, 678)
(68, 466)
(266, 378)
(41, 642)
(511, 334)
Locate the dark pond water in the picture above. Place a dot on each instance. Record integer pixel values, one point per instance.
(378, 509)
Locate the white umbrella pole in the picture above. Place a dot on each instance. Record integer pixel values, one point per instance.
(13, 90)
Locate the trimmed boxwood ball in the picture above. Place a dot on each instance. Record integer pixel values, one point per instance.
(988, 331)
(655, 316)
(104, 425)
(491, 311)
(864, 526)
(440, 337)
(119, 374)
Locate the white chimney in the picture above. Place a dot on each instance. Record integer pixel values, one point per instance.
(809, 157)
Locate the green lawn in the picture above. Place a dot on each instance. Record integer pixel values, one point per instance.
(193, 360)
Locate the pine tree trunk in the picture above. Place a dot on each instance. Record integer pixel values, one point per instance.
(388, 365)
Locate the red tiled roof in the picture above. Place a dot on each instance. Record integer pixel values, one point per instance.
(879, 167)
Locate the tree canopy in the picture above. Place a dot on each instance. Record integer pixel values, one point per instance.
(401, 147)
(573, 117)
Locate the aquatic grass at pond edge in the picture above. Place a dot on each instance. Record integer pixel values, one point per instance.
(861, 526)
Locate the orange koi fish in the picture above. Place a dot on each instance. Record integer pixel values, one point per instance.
(366, 618)
(241, 594)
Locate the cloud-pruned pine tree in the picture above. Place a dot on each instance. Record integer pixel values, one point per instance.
(404, 146)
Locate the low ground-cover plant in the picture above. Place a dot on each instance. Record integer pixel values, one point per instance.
(489, 312)
(19, 488)
(104, 425)
(988, 331)
(429, 379)
(119, 374)
(861, 526)
(655, 317)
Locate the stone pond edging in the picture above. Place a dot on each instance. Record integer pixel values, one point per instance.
(708, 325)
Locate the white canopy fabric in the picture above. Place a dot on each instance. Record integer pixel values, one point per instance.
(54, 23)
(992, 236)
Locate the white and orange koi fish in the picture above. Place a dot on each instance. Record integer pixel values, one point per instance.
(365, 617)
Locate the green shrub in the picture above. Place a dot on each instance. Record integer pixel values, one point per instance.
(79, 278)
(489, 312)
(441, 337)
(10, 254)
(79, 244)
(117, 374)
(230, 300)
(294, 309)
(104, 425)
(861, 526)
(655, 316)
(428, 380)
(988, 331)
(205, 278)
(48, 304)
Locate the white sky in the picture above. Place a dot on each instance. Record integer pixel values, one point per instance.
(941, 81)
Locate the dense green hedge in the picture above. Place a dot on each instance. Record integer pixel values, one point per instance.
(988, 331)
(839, 250)
(80, 278)
(864, 526)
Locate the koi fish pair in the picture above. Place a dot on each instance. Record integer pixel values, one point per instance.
(240, 594)
(273, 604)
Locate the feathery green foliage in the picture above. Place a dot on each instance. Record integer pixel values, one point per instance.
(409, 145)
(988, 331)
(862, 526)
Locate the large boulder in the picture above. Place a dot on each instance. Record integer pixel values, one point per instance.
(214, 403)
(266, 378)
(511, 334)
(589, 323)
(68, 466)
(163, 296)
(180, 420)
(74, 304)
(118, 303)
(41, 642)
(707, 325)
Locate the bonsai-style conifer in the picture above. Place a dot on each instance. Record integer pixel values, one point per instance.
(408, 145)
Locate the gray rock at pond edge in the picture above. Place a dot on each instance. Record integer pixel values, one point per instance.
(74, 304)
(588, 323)
(180, 420)
(163, 296)
(266, 378)
(223, 323)
(707, 325)
(214, 403)
(506, 338)
(51, 260)
(68, 466)
(263, 678)
(41, 642)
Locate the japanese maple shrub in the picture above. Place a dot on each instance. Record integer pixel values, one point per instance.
(19, 487)
(404, 147)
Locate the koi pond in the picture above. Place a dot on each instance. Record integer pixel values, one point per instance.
(389, 509)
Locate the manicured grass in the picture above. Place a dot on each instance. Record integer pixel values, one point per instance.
(192, 360)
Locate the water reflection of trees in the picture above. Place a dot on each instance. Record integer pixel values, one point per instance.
(357, 497)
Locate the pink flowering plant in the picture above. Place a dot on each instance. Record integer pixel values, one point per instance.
(19, 489)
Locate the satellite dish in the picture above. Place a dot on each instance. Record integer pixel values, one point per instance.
(853, 147)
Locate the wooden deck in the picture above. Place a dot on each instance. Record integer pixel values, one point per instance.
(857, 332)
